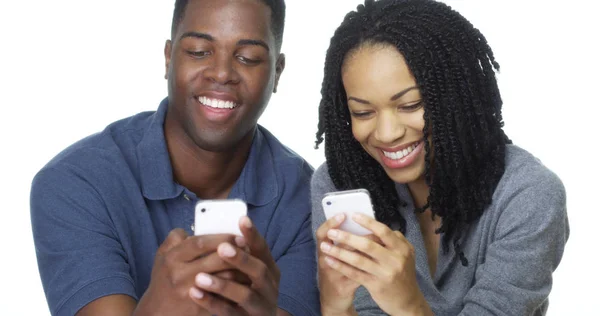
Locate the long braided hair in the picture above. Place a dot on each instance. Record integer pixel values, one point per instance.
(454, 68)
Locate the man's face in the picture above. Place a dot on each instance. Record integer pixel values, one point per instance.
(222, 66)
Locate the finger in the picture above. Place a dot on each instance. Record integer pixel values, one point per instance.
(360, 243)
(263, 279)
(211, 263)
(380, 230)
(374, 239)
(175, 237)
(243, 295)
(354, 259)
(213, 304)
(331, 223)
(350, 272)
(257, 245)
(197, 246)
(234, 275)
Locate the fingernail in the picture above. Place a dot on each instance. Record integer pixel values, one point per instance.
(195, 293)
(325, 247)
(226, 250)
(240, 241)
(246, 222)
(332, 233)
(203, 280)
(339, 218)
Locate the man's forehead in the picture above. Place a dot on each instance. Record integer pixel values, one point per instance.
(228, 18)
(224, 11)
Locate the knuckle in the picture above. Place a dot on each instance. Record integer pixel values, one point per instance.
(409, 250)
(169, 261)
(226, 275)
(388, 275)
(386, 233)
(353, 274)
(247, 299)
(262, 272)
(356, 261)
(244, 258)
(367, 246)
(220, 285)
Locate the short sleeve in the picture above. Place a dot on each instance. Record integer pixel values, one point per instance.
(79, 255)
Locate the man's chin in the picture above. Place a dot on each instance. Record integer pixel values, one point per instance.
(220, 141)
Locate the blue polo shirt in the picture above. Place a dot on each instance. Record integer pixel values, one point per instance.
(101, 208)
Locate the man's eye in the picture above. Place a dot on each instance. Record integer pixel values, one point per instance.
(198, 53)
(248, 61)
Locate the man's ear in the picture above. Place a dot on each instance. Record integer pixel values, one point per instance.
(168, 48)
(279, 66)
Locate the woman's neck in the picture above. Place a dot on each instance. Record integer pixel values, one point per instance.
(419, 190)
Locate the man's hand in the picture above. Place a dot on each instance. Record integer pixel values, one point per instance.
(177, 263)
(229, 297)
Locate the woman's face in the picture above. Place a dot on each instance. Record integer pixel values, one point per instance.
(386, 109)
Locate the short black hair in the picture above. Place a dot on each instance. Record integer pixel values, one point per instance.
(277, 18)
(454, 68)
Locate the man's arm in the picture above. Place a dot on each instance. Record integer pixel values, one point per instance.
(79, 256)
(112, 305)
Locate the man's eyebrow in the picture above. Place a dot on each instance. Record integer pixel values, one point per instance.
(197, 35)
(393, 98)
(244, 42)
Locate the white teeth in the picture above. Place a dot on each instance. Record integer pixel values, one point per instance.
(216, 103)
(401, 153)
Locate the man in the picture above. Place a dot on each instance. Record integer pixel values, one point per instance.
(112, 214)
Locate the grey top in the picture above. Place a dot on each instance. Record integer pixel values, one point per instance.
(513, 248)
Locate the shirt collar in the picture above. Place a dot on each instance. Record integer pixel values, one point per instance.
(156, 172)
(257, 184)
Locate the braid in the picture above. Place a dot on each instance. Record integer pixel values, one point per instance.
(454, 68)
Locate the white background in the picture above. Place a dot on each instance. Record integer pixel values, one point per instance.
(71, 67)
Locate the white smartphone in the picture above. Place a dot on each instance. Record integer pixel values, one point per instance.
(349, 202)
(219, 217)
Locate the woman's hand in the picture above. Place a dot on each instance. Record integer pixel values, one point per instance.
(337, 290)
(387, 269)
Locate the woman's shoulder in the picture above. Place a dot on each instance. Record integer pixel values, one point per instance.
(321, 180)
(523, 169)
(528, 192)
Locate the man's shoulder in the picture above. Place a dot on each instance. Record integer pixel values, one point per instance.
(284, 158)
(105, 151)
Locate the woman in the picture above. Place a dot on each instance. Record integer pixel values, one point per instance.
(467, 223)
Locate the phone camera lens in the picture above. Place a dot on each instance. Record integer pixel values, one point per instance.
(203, 210)
(328, 202)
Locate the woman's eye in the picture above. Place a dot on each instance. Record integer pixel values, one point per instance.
(360, 114)
(411, 106)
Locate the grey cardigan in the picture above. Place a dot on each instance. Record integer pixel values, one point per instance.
(512, 249)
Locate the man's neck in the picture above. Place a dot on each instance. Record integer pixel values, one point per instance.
(210, 175)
